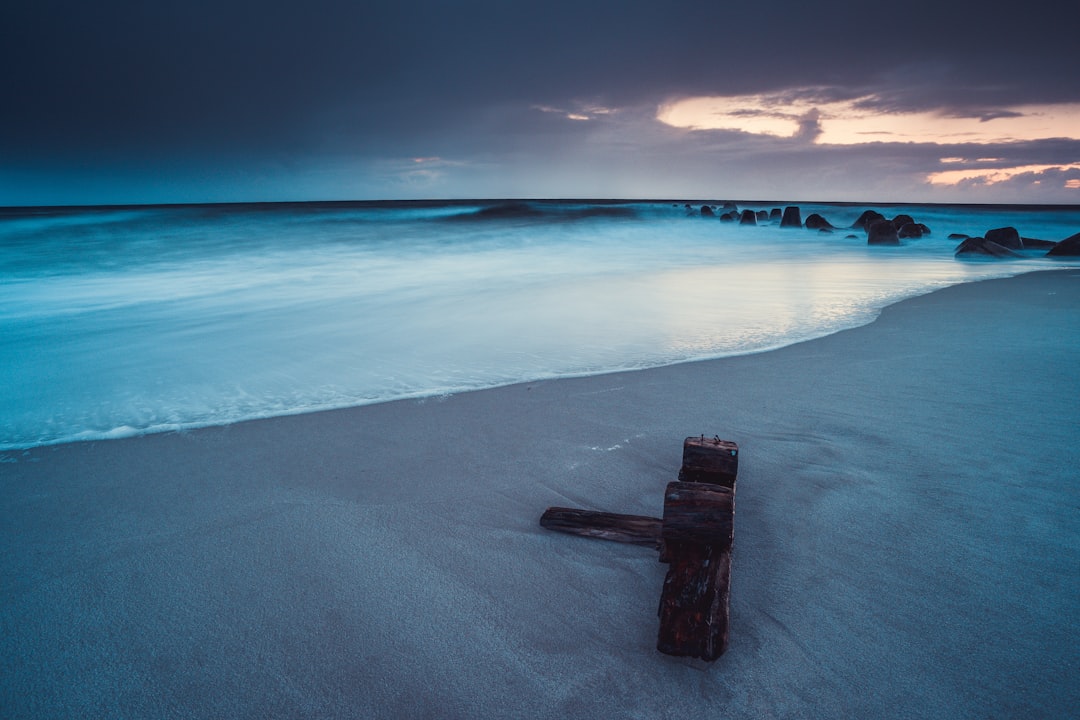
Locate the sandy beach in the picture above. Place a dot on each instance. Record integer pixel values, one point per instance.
(907, 542)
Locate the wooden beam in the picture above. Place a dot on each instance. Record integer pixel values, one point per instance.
(693, 609)
(710, 460)
(694, 537)
(635, 529)
(694, 602)
(700, 513)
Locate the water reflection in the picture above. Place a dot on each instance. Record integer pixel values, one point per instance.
(182, 317)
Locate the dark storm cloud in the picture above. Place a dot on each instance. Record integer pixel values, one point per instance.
(133, 86)
(135, 74)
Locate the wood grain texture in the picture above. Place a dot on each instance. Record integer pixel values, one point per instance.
(697, 512)
(694, 602)
(635, 529)
(709, 460)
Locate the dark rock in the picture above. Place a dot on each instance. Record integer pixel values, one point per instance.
(774, 214)
(851, 237)
(882, 232)
(1069, 247)
(707, 211)
(924, 228)
(1034, 244)
(731, 207)
(958, 236)
(982, 247)
(1005, 237)
(748, 218)
(827, 231)
(909, 230)
(868, 218)
(762, 216)
(792, 217)
(729, 217)
(901, 220)
(816, 222)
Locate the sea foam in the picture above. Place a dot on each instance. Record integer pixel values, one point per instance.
(133, 320)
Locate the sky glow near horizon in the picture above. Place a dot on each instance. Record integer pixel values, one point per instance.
(993, 176)
(855, 122)
(858, 122)
(637, 101)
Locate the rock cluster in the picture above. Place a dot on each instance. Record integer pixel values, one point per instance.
(982, 246)
(1005, 242)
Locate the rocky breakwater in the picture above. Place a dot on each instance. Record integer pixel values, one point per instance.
(880, 230)
(1006, 242)
(1003, 242)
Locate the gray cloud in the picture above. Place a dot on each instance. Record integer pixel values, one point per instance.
(809, 126)
(228, 89)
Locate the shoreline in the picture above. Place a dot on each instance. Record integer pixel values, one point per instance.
(906, 540)
(9, 453)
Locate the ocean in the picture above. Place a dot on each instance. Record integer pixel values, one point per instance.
(118, 321)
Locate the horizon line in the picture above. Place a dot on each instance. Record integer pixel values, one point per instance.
(488, 200)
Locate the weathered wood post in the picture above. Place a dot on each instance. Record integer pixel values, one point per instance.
(694, 537)
(709, 460)
(694, 602)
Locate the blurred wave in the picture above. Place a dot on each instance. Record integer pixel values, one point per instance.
(119, 321)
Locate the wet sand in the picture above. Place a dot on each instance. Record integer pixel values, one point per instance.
(907, 540)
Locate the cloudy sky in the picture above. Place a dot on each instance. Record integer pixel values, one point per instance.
(123, 101)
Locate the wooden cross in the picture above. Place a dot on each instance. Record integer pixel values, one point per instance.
(694, 537)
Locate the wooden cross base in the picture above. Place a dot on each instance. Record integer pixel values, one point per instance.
(694, 537)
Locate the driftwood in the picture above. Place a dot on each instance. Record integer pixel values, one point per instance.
(694, 537)
(636, 529)
(694, 602)
(710, 460)
(698, 513)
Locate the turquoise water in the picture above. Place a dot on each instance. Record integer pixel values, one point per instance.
(119, 321)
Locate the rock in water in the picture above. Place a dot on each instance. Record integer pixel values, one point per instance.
(1069, 247)
(774, 214)
(909, 230)
(749, 217)
(792, 217)
(1007, 237)
(977, 246)
(817, 222)
(882, 232)
(901, 220)
(868, 218)
(707, 211)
